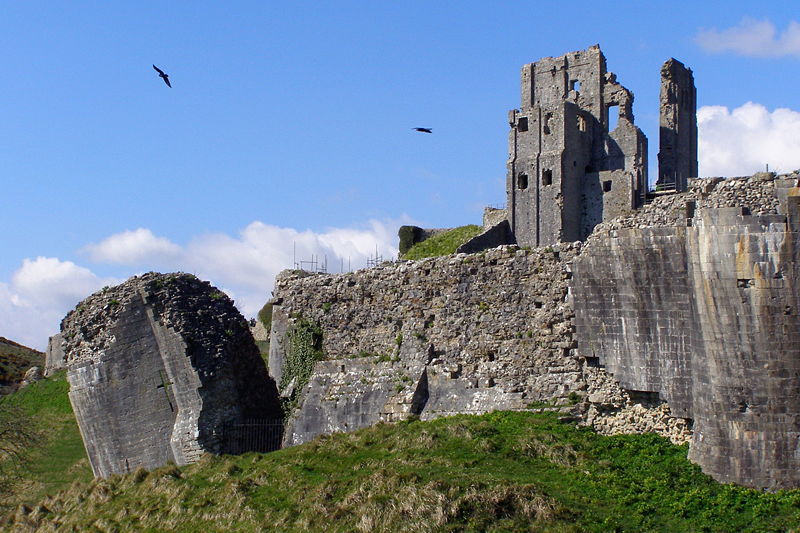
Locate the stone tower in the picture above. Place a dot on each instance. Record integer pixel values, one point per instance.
(677, 153)
(566, 171)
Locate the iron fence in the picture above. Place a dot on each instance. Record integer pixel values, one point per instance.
(254, 436)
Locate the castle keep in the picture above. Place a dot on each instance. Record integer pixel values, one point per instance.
(567, 169)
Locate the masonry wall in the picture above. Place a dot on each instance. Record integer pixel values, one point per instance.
(702, 312)
(457, 334)
(677, 154)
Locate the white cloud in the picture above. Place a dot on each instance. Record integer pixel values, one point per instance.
(40, 293)
(743, 141)
(756, 38)
(133, 247)
(245, 265)
(43, 290)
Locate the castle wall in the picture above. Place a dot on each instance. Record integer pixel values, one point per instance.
(746, 348)
(462, 333)
(702, 312)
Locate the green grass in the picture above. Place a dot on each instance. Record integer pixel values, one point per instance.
(59, 457)
(444, 243)
(498, 472)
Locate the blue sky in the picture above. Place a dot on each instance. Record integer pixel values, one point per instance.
(288, 128)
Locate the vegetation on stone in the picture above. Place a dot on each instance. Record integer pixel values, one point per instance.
(504, 471)
(305, 348)
(444, 243)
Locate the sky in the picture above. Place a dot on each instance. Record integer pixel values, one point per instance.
(287, 133)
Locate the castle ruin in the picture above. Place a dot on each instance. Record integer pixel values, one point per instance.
(568, 170)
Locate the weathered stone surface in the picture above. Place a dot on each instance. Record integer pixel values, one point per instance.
(677, 153)
(703, 313)
(462, 333)
(567, 170)
(157, 367)
(54, 356)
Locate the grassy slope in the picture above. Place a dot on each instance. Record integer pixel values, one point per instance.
(444, 243)
(59, 458)
(15, 359)
(498, 472)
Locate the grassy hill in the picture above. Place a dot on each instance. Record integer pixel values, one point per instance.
(504, 471)
(39, 419)
(15, 360)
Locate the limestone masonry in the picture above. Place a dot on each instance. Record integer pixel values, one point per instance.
(157, 368)
(567, 169)
(673, 312)
(703, 312)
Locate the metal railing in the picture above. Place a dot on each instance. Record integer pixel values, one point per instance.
(253, 436)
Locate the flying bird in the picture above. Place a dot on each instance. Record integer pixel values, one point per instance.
(423, 130)
(163, 76)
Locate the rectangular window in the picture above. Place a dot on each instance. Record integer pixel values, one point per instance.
(522, 124)
(522, 182)
(547, 177)
(607, 186)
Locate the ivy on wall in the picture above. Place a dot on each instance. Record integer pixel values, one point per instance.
(304, 349)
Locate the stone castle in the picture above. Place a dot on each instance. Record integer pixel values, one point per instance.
(673, 312)
(567, 170)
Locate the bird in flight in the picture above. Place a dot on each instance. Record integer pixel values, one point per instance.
(423, 130)
(163, 76)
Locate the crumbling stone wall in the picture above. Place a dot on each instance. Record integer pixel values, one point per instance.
(567, 170)
(462, 333)
(157, 367)
(456, 334)
(677, 153)
(701, 311)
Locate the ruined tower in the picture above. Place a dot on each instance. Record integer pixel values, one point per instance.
(677, 152)
(566, 171)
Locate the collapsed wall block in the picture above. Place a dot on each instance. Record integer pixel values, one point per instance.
(160, 368)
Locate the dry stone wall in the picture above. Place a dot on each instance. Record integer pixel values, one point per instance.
(158, 367)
